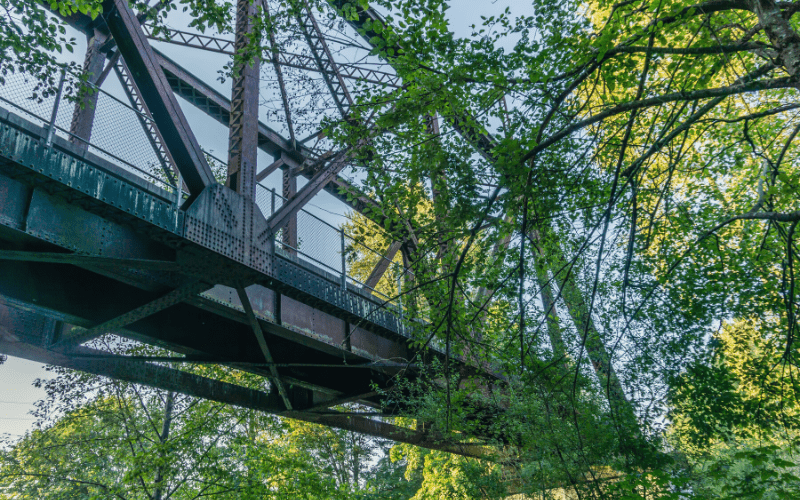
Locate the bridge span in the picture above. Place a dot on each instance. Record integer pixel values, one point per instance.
(102, 234)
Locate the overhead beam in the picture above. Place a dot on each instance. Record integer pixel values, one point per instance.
(157, 94)
(287, 59)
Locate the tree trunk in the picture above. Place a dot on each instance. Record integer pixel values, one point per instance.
(578, 309)
(780, 34)
(162, 438)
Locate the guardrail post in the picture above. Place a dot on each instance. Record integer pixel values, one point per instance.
(400, 298)
(272, 206)
(178, 191)
(344, 261)
(51, 127)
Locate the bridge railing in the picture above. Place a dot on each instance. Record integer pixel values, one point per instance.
(330, 248)
(117, 135)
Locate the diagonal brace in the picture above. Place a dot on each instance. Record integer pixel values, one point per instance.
(174, 297)
(380, 268)
(157, 94)
(314, 186)
(262, 343)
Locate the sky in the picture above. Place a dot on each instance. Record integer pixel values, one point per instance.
(17, 393)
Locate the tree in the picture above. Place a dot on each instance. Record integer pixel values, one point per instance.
(646, 168)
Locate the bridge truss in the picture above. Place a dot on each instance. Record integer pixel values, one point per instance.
(113, 222)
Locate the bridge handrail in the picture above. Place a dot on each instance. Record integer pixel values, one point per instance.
(20, 92)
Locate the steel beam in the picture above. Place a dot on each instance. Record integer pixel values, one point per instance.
(148, 374)
(273, 45)
(380, 268)
(289, 229)
(169, 379)
(157, 94)
(83, 115)
(290, 207)
(215, 105)
(269, 169)
(324, 405)
(287, 59)
(323, 57)
(90, 260)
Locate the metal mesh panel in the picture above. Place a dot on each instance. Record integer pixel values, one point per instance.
(117, 134)
(18, 91)
(268, 200)
(319, 241)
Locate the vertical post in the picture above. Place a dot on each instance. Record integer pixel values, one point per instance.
(272, 206)
(83, 115)
(243, 142)
(178, 191)
(289, 190)
(51, 127)
(400, 298)
(344, 261)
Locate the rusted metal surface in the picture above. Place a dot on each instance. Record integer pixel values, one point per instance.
(83, 115)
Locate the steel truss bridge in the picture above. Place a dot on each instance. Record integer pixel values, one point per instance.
(111, 221)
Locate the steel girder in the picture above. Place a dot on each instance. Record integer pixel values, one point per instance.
(24, 333)
(243, 124)
(215, 105)
(61, 189)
